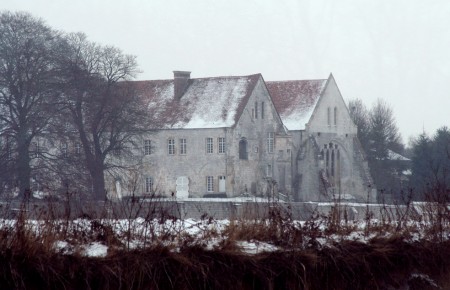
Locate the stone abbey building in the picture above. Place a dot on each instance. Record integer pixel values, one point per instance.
(241, 134)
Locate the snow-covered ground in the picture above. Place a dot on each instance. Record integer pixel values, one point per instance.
(95, 238)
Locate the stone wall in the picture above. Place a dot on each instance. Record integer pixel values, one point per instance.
(184, 209)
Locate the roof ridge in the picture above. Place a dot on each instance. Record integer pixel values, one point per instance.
(228, 77)
(306, 80)
(203, 78)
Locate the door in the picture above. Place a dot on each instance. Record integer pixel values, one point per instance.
(182, 187)
(222, 183)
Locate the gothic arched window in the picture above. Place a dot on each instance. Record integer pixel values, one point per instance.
(243, 149)
(332, 163)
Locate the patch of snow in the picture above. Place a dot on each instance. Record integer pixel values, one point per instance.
(227, 199)
(40, 194)
(256, 247)
(63, 247)
(213, 103)
(295, 101)
(95, 249)
(407, 172)
(395, 156)
(344, 196)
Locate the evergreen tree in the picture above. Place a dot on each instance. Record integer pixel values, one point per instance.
(431, 164)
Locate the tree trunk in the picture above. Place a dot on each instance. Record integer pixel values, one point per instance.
(23, 167)
(98, 182)
(95, 167)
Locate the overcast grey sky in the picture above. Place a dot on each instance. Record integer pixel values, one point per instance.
(397, 50)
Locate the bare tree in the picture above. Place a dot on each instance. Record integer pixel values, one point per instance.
(104, 108)
(360, 116)
(29, 85)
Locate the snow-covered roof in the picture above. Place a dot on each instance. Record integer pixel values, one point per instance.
(295, 100)
(219, 101)
(207, 103)
(395, 156)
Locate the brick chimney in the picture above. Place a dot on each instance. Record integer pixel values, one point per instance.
(180, 83)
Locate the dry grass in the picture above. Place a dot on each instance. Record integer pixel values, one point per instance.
(149, 248)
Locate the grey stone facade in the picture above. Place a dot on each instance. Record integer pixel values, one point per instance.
(237, 135)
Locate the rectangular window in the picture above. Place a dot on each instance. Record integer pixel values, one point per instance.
(256, 110)
(329, 116)
(262, 110)
(270, 142)
(335, 116)
(77, 148)
(148, 184)
(64, 150)
(269, 170)
(183, 146)
(209, 183)
(147, 147)
(171, 146)
(221, 145)
(209, 145)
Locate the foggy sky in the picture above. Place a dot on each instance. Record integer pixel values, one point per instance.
(395, 50)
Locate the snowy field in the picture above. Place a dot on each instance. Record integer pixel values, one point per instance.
(95, 238)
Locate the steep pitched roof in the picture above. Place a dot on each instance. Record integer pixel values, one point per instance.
(207, 103)
(295, 100)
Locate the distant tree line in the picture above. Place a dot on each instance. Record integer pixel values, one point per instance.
(400, 174)
(431, 166)
(70, 92)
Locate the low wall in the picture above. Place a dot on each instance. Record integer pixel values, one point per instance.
(198, 209)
